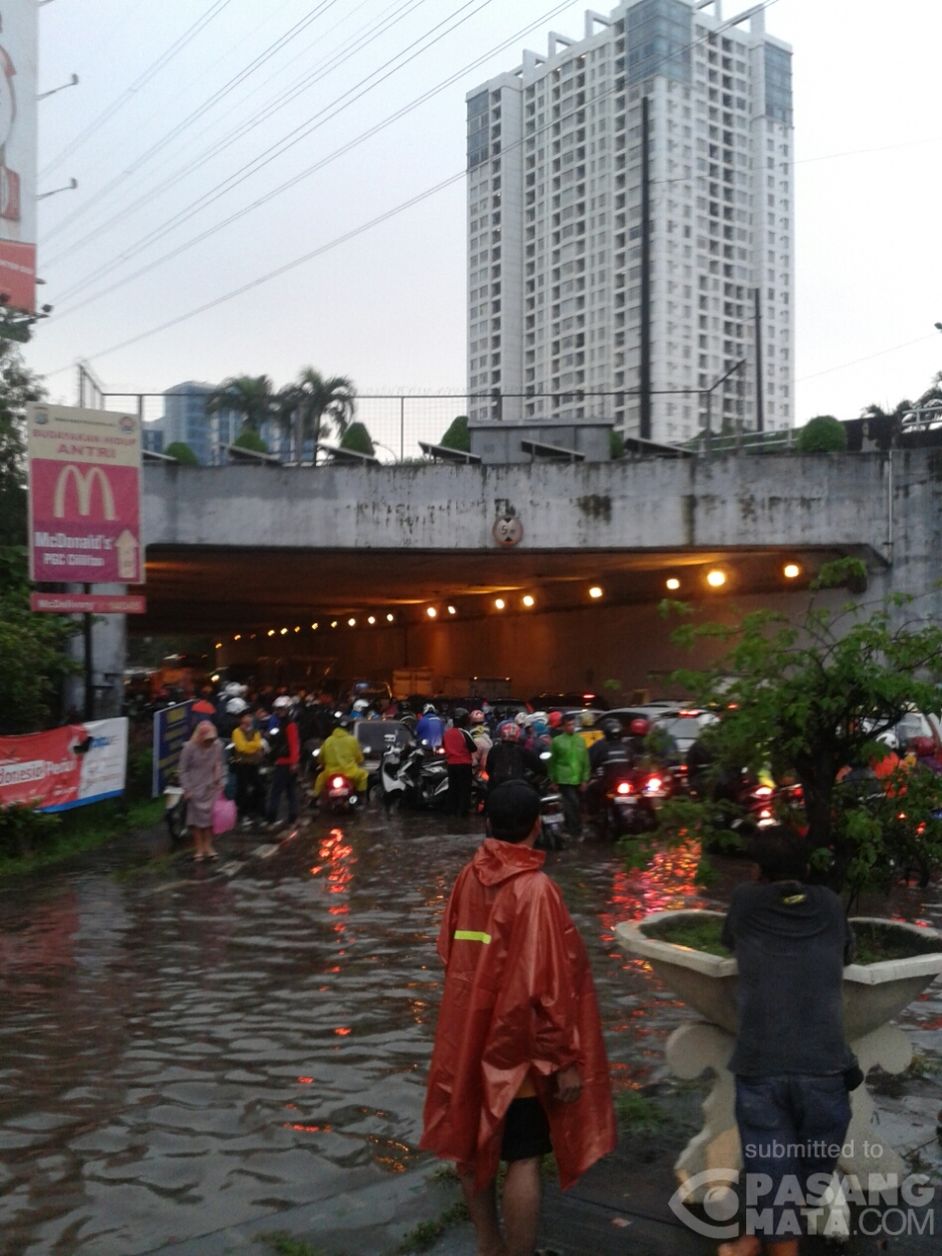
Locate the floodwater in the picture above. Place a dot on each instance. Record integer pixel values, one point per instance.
(184, 1048)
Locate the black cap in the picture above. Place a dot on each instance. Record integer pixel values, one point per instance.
(512, 809)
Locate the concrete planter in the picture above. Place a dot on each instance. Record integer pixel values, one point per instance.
(873, 995)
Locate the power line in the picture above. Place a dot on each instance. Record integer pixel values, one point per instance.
(154, 68)
(297, 87)
(367, 226)
(866, 358)
(253, 65)
(339, 58)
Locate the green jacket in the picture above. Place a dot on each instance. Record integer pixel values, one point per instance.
(569, 760)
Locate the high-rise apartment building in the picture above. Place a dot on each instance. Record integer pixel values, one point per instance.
(186, 419)
(563, 261)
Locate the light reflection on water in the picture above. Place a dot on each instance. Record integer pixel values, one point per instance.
(182, 1050)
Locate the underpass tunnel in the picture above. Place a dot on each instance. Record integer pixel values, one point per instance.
(559, 621)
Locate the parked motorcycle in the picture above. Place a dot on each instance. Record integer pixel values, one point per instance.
(414, 776)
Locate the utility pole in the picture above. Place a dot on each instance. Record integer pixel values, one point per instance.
(760, 397)
(645, 426)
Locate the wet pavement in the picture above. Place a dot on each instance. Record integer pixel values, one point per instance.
(187, 1049)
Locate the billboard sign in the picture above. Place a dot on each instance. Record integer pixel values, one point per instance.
(172, 728)
(84, 496)
(19, 43)
(65, 767)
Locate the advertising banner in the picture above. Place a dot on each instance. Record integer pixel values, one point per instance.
(90, 603)
(172, 728)
(84, 496)
(65, 767)
(18, 54)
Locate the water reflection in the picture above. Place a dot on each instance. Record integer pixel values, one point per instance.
(183, 1050)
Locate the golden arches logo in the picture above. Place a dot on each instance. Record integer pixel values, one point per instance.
(84, 482)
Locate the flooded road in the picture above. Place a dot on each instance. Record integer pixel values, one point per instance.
(184, 1048)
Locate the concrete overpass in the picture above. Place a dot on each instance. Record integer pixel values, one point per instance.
(257, 555)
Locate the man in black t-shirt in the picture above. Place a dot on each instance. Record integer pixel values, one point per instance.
(791, 941)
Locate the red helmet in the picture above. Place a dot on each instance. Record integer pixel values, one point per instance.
(639, 727)
(555, 719)
(922, 747)
(509, 731)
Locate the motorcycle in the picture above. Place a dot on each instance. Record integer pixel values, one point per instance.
(625, 800)
(552, 822)
(175, 813)
(414, 775)
(340, 793)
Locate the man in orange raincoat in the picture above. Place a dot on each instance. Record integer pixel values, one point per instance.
(519, 1066)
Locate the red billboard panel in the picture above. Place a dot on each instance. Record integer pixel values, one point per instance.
(88, 603)
(18, 52)
(84, 496)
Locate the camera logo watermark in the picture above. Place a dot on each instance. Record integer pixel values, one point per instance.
(720, 1204)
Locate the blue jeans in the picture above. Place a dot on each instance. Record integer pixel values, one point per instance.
(284, 780)
(791, 1128)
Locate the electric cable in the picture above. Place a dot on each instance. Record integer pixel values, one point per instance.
(393, 212)
(332, 62)
(253, 65)
(129, 92)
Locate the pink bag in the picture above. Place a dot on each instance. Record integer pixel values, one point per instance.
(224, 815)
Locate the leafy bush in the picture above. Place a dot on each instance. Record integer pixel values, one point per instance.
(616, 443)
(24, 830)
(357, 439)
(458, 437)
(247, 439)
(34, 659)
(183, 453)
(822, 435)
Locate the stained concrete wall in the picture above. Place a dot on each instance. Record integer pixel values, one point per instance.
(835, 499)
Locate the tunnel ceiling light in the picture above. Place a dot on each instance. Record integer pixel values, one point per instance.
(271, 632)
(371, 619)
(333, 623)
(390, 618)
(716, 578)
(529, 600)
(672, 583)
(284, 632)
(218, 645)
(297, 627)
(452, 610)
(431, 612)
(791, 571)
(499, 603)
(351, 622)
(315, 626)
(215, 678)
(237, 637)
(596, 591)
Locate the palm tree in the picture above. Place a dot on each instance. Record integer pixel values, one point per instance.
(251, 396)
(318, 400)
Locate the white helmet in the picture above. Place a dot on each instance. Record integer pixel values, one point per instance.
(538, 717)
(282, 703)
(429, 709)
(520, 718)
(233, 690)
(236, 706)
(361, 704)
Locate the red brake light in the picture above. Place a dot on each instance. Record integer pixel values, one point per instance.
(337, 782)
(623, 787)
(654, 782)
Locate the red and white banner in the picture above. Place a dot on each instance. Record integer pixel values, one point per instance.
(65, 767)
(91, 603)
(19, 41)
(84, 496)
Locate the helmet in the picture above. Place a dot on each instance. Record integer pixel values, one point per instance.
(509, 731)
(477, 717)
(538, 717)
(555, 719)
(361, 704)
(429, 709)
(236, 706)
(586, 719)
(922, 747)
(520, 718)
(281, 704)
(639, 726)
(459, 715)
(612, 729)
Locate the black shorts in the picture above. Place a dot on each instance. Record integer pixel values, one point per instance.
(526, 1131)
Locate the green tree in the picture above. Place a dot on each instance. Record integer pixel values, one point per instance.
(822, 434)
(183, 453)
(457, 435)
(357, 438)
(249, 439)
(315, 403)
(252, 397)
(18, 387)
(33, 658)
(810, 698)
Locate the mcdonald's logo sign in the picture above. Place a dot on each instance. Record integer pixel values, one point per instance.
(85, 482)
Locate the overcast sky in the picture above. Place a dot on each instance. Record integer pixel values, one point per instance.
(387, 307)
